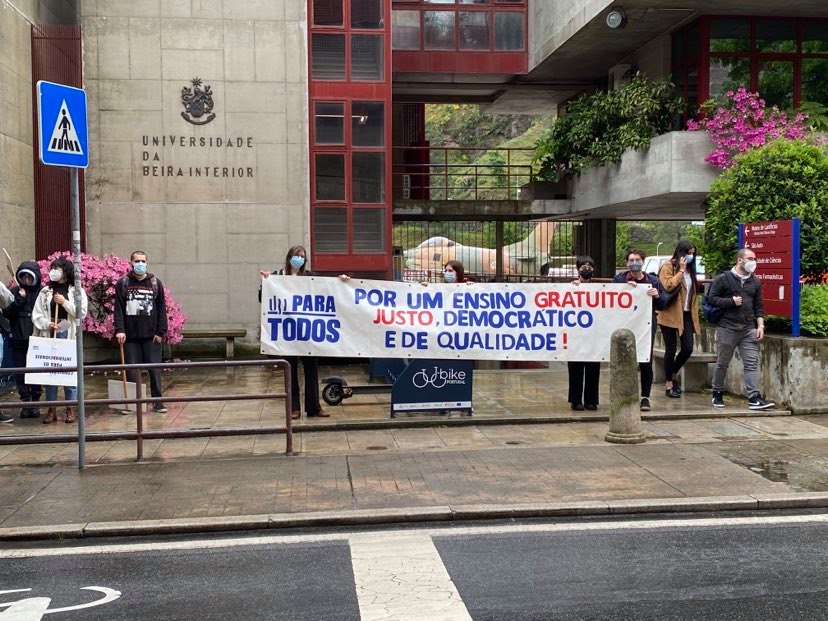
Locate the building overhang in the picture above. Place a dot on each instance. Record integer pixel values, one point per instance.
(668, 181)
(582, 48)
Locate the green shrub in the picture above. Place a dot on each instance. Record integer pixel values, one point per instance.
(814, 310)
(598, 128)
(782, 180)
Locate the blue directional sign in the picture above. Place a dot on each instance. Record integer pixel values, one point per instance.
(61, 113)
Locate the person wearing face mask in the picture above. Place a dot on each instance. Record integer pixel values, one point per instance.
(296, 265)
(453, 271)
(583, 376)
(141, 321)
(19, 314)
(742, 326)
(636, 276)
(679, 320)
(54, 315)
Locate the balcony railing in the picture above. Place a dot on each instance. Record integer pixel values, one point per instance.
(456, 173)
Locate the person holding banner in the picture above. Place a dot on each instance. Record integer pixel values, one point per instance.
(584, 376)
(296, 265)
(636, 276)
(19, 314)
(679, 319)
(54, 315)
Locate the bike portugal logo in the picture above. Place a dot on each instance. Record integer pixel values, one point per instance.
(438, 378)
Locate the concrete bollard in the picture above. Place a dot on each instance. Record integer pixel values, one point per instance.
(625, 415)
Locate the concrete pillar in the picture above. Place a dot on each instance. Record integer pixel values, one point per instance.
(625, 415)
(597, 239)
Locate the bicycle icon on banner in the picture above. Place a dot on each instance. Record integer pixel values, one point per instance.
(33, 608)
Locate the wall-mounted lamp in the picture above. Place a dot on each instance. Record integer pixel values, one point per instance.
(617, 18)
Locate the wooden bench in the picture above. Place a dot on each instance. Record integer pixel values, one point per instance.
(695, 374)
(229, 335)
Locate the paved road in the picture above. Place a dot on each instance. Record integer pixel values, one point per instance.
(734, 568)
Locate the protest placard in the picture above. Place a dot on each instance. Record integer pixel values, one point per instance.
(313, 316)
(49, 353)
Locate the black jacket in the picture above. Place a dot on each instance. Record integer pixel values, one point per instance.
(721, 293)
(652, 279)
(140, 307)
(19, 312)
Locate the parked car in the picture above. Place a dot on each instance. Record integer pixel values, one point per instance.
(653, 264)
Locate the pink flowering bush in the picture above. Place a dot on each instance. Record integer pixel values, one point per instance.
(742, 123)
(98, 278)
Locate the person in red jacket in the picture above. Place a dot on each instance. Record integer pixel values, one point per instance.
(141, 320)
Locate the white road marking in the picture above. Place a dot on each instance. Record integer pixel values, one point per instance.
(442, 531)
(403, 578)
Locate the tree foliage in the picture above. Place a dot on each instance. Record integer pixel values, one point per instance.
(785, 179)
(598, 128)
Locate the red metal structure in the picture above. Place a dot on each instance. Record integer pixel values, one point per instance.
(56, 57)
(350, 135)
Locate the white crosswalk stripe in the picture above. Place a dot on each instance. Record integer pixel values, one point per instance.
(403, 578)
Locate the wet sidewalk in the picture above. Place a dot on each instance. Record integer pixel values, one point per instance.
(441, 474)
(524, 453)
(505, 402)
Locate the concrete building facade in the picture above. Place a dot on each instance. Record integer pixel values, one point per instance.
(222, 132)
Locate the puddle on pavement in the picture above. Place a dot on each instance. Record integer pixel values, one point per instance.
(800, 478)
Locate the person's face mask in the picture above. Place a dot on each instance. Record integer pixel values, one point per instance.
(449, 276)
(635, 266)
(296, 262)
(689, 258)
(139, 267)
(55, 274)
(750, 266)
(586, 274)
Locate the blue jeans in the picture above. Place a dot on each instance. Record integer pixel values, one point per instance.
(70, 393)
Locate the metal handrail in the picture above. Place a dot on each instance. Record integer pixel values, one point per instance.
(139, 434)
(425, 171)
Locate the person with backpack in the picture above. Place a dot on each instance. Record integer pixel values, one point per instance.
(636, 276)
(141, 321)
(742, 325)
(18, 312)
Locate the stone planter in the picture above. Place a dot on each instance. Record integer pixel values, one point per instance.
(97, 350)
(793, 371)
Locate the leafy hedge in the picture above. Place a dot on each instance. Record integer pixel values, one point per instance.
(598, 128)
(814, 310)
(782, 180)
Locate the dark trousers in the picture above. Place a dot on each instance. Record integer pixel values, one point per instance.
(144, 351)
(673, 362)
(311, 368)
(645, 369)
(27, 392)
(583, 382)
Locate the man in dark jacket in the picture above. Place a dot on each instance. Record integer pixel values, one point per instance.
(637, 276)
(742, 325)
(19, 314)
(141, 320)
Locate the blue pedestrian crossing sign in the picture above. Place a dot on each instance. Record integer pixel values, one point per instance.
(61, 113)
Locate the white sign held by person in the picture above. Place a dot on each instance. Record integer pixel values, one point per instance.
(47, 352)
(316, 316)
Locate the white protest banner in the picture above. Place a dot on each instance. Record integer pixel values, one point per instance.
(315, 316)
(48, 353)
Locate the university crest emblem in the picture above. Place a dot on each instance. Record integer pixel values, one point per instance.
(197, 103)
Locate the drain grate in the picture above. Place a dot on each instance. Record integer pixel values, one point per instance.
(377, 448)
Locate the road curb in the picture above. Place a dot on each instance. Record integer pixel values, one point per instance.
(442, 513)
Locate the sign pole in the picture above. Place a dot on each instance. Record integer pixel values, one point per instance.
(76, 252)
(795, 278)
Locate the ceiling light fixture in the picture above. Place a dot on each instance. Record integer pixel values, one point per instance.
(617, 18)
